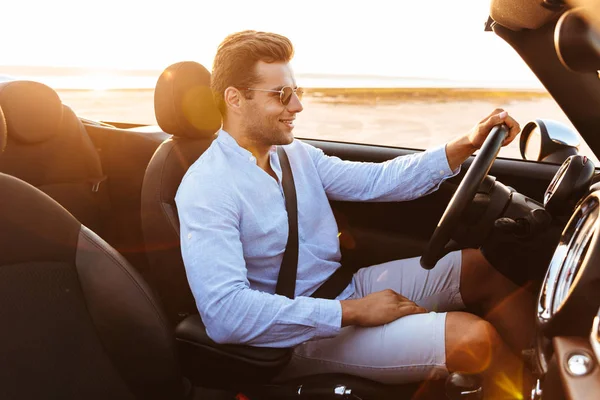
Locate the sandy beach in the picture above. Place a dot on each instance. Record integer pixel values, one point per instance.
(413, 118)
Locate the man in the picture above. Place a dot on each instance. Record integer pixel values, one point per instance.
(234, 231)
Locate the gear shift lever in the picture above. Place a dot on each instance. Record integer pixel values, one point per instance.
(461, 386)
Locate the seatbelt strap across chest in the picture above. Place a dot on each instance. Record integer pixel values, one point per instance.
(286, 281)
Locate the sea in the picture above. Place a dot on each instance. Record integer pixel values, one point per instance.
(147, 81)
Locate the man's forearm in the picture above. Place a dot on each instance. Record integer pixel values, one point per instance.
(458, 150)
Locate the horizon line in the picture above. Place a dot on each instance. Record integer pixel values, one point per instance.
(109, 72)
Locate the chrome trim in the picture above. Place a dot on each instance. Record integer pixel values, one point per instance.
(341, 390)
(565, 142)
(580, 364)
(569, 258)
(478, 390)
(595, 337)
(536, 391)
(574, 264)
(561, 134)
(556, 181)
(548, 287)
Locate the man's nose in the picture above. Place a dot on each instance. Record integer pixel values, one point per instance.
(295, 105)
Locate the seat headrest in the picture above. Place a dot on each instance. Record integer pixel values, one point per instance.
(33, 111)
(183, 101)
(2, 131)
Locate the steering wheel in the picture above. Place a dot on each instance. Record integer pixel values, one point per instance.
(463, 196)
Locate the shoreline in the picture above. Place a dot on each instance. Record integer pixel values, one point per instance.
(417, 118)
(375, 95)
(386, 95)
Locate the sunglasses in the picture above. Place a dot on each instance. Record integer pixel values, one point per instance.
(285, 94)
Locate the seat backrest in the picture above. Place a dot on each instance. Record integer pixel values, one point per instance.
(184, 108)
(49, 148)
(77, 321)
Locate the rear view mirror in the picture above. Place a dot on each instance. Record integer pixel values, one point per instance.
(577, 43)
(547, 140)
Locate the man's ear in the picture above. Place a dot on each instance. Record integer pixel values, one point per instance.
(233, 98)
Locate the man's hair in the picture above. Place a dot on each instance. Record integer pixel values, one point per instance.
(237, 56)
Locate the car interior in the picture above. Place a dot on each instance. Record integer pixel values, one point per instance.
(96, 303)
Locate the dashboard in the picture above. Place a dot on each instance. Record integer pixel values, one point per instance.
(567, 359)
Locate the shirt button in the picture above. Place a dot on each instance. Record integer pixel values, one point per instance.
(441, 172)
(251, 159)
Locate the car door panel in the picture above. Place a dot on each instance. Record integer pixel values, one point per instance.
(373, 233)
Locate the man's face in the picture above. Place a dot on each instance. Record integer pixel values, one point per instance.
(265, 119)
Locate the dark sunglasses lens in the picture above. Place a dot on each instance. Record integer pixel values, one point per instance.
(286, 95)
(287, 92)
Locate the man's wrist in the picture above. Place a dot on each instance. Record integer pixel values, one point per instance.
(349, 312)
(458, 150)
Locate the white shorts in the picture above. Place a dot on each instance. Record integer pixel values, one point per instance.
(409, 349)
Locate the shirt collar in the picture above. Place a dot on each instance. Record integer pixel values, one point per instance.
(227, 140)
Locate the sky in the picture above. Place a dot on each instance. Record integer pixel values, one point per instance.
(424, 38)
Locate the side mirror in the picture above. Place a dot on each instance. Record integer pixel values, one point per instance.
(549, 141)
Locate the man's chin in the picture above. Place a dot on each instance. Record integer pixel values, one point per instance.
(286, 138)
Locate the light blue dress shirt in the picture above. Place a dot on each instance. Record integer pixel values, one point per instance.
(234, 232)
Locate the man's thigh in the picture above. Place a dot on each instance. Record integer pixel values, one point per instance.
(409, 349)
(437, 289)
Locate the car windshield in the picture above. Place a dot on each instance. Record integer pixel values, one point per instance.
(411, 75)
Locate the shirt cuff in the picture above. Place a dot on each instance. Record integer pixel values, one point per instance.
(439, 163)
(329, 319)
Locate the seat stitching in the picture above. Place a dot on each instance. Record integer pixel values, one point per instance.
(162, 175)
(366, 366)
(128, 274)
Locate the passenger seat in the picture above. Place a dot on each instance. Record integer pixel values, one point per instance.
(78, 322)
(49, 148)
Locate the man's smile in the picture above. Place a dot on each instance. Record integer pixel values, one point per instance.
(288, 121)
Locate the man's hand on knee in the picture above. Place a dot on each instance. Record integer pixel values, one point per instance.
(377, 309)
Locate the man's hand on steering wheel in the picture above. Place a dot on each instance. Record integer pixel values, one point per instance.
(481, 130)
(489, 135)
(459, 149)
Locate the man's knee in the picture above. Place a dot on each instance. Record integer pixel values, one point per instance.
(471, 343)
(479, 281)
(474, 266)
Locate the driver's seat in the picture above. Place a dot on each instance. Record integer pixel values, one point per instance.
(185, 108)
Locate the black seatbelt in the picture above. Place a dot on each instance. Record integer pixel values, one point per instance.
(286, 281)
(333, 286)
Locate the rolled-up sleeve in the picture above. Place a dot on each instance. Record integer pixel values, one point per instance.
(402, 178)
(212, 251)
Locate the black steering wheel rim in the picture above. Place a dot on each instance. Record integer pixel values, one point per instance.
(463, 196)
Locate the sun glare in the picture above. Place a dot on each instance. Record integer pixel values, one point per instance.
(98, 83)
(391, 39)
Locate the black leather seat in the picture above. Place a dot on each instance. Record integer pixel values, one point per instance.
(185, 109)
(49, 148)
(77, 321)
